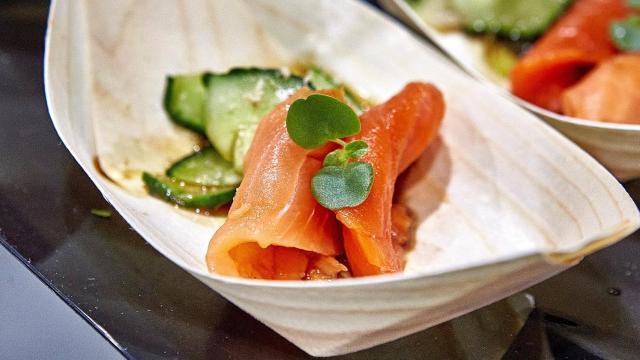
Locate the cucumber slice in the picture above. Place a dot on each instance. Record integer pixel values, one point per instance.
(320, 80)
(240, 148)
(500, 57)
(514, 19)
(239, 98)
(188, 195)
(184, 100)
(205, 167)
(440, 14)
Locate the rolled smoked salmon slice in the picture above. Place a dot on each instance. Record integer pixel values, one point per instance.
(570, 48)
(275, 228)
(397, 133)
(610, 92)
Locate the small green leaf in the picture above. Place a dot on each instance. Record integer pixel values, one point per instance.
(356, 149)
(337, 187)
(336, 158)
(103, 213)
(626, 34)
(311, 122)
(633, 3)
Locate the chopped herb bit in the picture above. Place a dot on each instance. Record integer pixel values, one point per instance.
(103, 213)
(633, 3)
(625, 34)
(337, 157)
(341, 157)
(356, 149)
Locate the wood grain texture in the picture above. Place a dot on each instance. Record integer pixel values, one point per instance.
(503, 201)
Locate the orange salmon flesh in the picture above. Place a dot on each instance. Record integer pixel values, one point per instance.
(276, 229)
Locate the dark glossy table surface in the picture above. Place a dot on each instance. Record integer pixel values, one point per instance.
(153, 309)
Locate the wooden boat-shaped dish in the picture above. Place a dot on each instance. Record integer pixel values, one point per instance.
(502, 200)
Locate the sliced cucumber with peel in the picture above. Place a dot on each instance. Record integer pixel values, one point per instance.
(186, 194)
(184, 100)
(320, 80)
(205, 167)
(241, 98)
(226, 108)
(513, 19)
(242, 144)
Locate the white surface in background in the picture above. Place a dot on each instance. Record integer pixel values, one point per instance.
(36, 324)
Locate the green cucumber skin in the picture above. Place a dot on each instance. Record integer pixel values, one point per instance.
(509, 28)
(227, 118)
(242, 145)
(204, 167)
(188, 196)
(183, 113)
(229, 102)
(318, 79)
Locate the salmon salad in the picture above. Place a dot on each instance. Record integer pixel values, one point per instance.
(303, 167)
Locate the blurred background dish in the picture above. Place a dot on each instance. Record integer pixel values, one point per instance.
(489, 49)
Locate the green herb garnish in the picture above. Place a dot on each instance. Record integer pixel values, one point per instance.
(633, 3)
(311, 123)
(337, 187)
(103, 213)
(625, 34)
